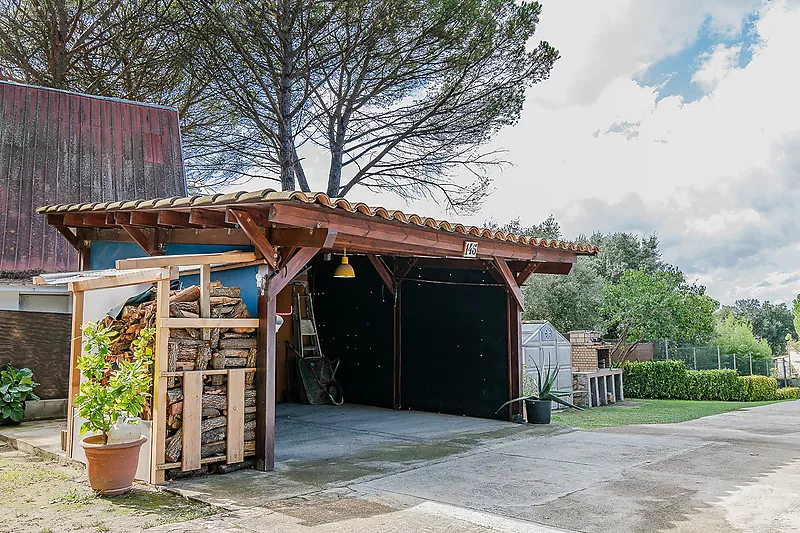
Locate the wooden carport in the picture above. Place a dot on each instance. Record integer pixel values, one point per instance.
(287, 229)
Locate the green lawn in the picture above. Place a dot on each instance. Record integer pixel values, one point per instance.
(646, 412)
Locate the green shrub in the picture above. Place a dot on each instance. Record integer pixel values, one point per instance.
(721, 385)
(788, 393)
(759, 388)
(655, 379)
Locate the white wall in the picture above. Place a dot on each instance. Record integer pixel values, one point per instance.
(96, 305)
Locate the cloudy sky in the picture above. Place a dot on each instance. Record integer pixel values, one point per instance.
(680, 118)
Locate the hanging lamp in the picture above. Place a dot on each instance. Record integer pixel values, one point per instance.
(345, 270)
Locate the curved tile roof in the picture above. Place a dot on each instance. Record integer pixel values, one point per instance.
(271, 195)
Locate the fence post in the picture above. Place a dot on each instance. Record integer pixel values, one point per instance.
(719, 360)
(666, 347)
(694, 356)
(751, 363)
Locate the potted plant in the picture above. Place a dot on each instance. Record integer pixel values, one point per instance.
(539, 395)
(111, 398)
(16, 386)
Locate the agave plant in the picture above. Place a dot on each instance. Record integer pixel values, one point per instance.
(543, 388)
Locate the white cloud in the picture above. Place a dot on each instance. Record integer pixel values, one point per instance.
(716, 65)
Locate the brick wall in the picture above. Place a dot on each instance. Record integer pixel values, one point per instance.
(584, 353)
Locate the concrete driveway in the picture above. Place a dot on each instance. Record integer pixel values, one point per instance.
(357, 469)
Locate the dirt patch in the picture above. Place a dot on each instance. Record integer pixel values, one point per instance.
(41, 495)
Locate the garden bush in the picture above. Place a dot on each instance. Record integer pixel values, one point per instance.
(759, 388)
(655, 379)
(671, 380)
(788, 393)
(723, 385)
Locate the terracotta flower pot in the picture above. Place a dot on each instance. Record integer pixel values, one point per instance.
(112, 467)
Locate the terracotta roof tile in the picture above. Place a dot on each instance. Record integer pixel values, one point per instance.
(271, 195)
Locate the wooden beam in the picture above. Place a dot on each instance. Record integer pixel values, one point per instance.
(132, 277)
(141, 238)
(222, 258)
(265, 374)
(510, 281)
(230, 237)
(288, 271)
(383, 232)
(258, 239)
(454, 263)
(382, 272)
(199, 323)
(208, 218)
(298, 237)
(72, 238)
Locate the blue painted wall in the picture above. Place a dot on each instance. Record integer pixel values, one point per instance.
(104, 255)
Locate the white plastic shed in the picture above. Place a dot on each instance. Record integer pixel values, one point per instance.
(547, 348)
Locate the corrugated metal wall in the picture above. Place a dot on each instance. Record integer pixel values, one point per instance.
(59, 147)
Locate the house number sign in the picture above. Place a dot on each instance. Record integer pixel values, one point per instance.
(470, 249)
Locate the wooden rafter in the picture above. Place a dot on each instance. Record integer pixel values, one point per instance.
(401, 271)
(382, 272)
(208, 218)
(253, 231)
(510, 281)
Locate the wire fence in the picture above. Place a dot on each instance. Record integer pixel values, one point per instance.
(710, 357)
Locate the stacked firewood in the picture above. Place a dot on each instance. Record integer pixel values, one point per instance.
(200, 349)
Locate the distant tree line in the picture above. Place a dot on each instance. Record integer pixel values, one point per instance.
(628, 292)
(401, 94)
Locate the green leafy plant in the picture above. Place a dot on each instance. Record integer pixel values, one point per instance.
(759, 388)
(16, 386)
(787, 393)
(543, 388)
(112, 388)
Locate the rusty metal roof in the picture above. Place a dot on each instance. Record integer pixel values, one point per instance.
(57, 146)
(270, 195)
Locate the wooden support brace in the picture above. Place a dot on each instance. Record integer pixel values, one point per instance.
(526, 272)
(141, 238)
(510, 281)
(72, 238)
(382, 272)
(258, 239)
(288, 271)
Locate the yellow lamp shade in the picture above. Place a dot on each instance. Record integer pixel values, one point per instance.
(344, 270)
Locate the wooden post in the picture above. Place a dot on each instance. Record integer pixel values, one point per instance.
(160, 361)
(514, 354)
(397, 353)
(265, 374)
(76, 346)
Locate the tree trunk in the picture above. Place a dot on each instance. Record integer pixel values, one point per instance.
(300, 174)
(286, 151)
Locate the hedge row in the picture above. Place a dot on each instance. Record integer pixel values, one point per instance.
(671, 380)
